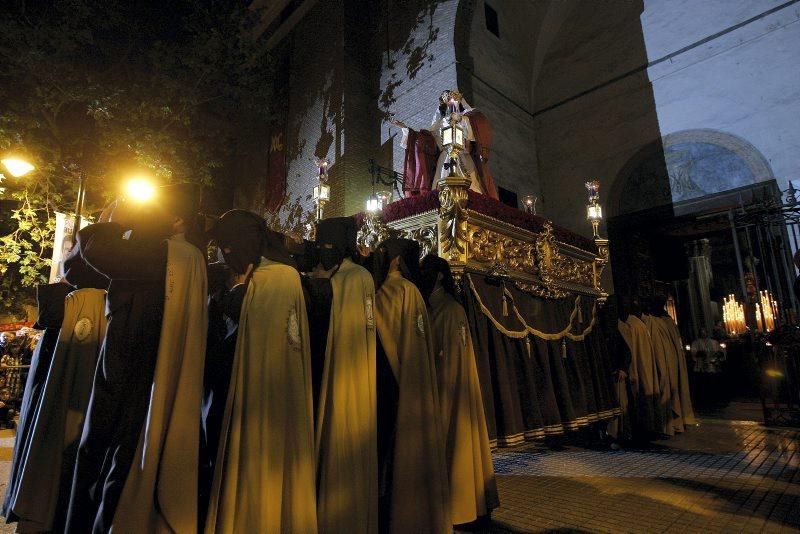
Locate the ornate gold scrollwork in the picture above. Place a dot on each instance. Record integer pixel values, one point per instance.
(492, 247)
(452, 223)
(602, 259)
(426, 237)
(373, 232)
(555, 267)
(540, 290)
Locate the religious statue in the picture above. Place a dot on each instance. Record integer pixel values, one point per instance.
(426, 162)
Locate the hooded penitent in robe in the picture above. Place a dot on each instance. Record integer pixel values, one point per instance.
(51, 314)
(665, 355)
(156, 495)
(473, 489)
(643, 375)
(42, 496)
(687, 410)
(126, 395)
(414, 475)
(264, 476)
(346, 437)
(620, 428)
(347, 457)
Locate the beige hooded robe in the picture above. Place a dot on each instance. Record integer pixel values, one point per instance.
(346, 437)
(264, 475)
(420, 494)
(473, 489)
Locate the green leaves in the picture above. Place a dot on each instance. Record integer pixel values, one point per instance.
(111, 89)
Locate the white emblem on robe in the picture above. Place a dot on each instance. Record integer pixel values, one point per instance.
(83, 328)
(370, 313)
(293, 329)
(420, 325)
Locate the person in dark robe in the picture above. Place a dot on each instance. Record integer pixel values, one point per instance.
(50, 299)
(157, 279)
(414, 493)
(226, 291)
(227, 284)
(38, 500)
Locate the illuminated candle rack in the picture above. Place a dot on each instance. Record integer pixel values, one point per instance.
(733, 316)
(766, 312)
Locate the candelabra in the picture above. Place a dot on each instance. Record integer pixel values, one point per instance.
(766, 312)
(733, 316)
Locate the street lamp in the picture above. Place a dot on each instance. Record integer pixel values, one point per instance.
(17, 167)
(140, 189)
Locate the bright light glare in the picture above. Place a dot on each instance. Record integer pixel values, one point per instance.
(17, 167)
(140, 190)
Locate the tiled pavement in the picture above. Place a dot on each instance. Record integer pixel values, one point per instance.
(723, 476)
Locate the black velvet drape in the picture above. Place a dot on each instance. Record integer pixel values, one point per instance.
(536, 383)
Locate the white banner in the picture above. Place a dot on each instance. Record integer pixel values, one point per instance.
(61, 243)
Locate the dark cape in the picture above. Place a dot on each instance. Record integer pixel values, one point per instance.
(50, 299)
(45, 456)
(319, 299)
(124, 376)
(223, 328)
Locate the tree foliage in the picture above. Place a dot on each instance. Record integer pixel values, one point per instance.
(113, 88)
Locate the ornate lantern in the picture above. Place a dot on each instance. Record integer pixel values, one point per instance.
(322, 191)
(594, 212)
(453, 133)
(529, 203)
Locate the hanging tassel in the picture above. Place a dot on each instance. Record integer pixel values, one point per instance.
(505, 305)
(580, 311)
(528, 346)
(564, 348)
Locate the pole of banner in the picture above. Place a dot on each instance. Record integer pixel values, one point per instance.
(76, 225)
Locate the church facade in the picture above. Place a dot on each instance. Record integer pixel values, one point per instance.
(668, 104)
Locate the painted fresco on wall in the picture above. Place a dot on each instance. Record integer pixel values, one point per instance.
(697, 169)
(686, 165)
(704, 162)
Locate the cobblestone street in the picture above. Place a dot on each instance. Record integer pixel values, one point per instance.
(724, 476)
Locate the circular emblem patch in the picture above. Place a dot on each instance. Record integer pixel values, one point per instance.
(420, 325)
(83, 328)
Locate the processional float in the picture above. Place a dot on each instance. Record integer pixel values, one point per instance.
(532, 291)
